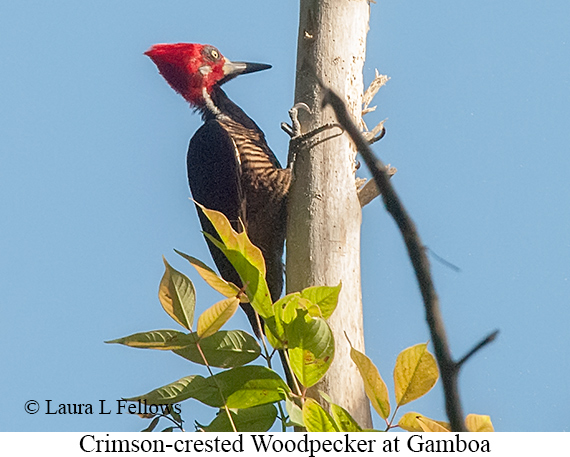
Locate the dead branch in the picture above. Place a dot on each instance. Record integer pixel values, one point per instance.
(449, 369)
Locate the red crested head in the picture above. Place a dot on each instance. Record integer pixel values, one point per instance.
(193, 70)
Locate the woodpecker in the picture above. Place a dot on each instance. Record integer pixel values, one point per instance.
(231, 168)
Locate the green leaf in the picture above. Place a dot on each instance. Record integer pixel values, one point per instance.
(374, 385)
(244, 387)
(409, 422)
(295, 414)
(256, 419)
(156, 339)
(277, 342)
(175, 392)
(343, 419)
(325, 396)
(217, 283)
(223, 349)
(211, 320)
(325, 297)
(415, 373)
(311, 350)
(479, 423)
(234, 240)
(245, 257)
(152, 425)
(241, 387)
(316, 419)
(177, 296)
(168, 429)
(289, 307)
(284, 312)
(176, 416)
(254, 279)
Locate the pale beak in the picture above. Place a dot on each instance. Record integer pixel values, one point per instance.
(233, 69)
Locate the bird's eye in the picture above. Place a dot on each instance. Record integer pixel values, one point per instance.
(215, 54)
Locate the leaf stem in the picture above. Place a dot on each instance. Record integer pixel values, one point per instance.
(295, 382)
(282, 417)
(218, 386)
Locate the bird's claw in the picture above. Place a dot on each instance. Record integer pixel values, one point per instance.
(294, 130)
(298, 138)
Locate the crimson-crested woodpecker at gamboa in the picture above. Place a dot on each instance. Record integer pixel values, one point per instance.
(231, 168)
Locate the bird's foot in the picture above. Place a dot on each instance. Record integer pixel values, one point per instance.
(300, 140)
(307, 140)
(294, 130)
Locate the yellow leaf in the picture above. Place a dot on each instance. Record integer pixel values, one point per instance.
(234, 240)
(478, 423)
(245, 257)
(211, 320)
(316, 419)
(415, 373)
(374, 385)
(166, 340)
(409, 422)
(429, 425)
(177, 296)
(217, 283)
(343, 420)
(326, 298)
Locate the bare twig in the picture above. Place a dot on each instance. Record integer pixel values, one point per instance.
(443, 261)
(370, 191)
(488, 339)
(376, 134)
(448, 368)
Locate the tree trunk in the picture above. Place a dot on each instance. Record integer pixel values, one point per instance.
(323, 238)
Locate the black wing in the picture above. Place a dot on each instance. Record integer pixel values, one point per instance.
(214, 175)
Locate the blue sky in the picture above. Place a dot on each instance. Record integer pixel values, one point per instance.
(94, 192)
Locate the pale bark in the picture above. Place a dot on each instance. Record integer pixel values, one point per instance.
(323, 238)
